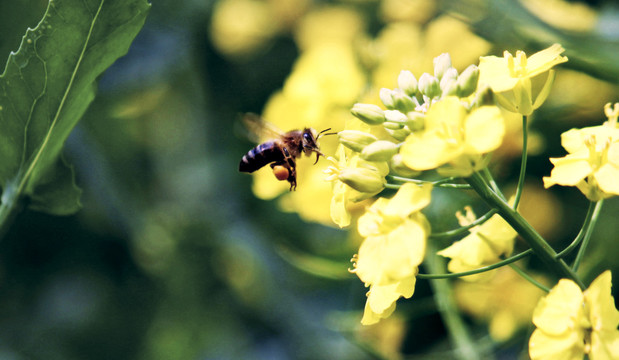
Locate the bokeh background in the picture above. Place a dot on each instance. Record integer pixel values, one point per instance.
(176, 255)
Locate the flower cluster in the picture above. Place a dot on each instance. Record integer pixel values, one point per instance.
(395, 233)
(592, 164)
(571, 323)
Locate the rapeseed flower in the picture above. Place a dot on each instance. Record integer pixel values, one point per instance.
(354, 180)
(395, 233)
(455, 139)
(521, 84)
(486, 244)
(571, 323)
(592, 163)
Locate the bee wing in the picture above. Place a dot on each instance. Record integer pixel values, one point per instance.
(260, 129)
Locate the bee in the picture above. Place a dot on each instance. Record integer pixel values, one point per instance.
(281, 151)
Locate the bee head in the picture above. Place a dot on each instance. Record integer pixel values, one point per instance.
(310, 142)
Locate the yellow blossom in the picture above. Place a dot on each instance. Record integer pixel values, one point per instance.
(486, 244)
(571, 323)
(592, 163)
(340, 172)
(521, 84)
(454, 140)
(395, 233)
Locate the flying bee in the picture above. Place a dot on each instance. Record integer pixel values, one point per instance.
(281, 151)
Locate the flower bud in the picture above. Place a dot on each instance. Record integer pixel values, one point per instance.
(368, 113)
(381, 150)
(467, 81)
(416, 121)
(449, 86)
(429, 85)
(407, 82)
(402, 102)
(386, 96)
(395, 116)
(355, 140)
(362, 179)
(442, 63)
(399, 134)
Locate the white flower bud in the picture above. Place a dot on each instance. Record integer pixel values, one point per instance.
(368, 113)
(407, 82)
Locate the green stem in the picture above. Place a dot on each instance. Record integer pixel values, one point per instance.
(587, 235)
(541, 248)
(499, 264)
(585, 226)
(446, 304)
(523, 163)
(445, 183)
(528, 278)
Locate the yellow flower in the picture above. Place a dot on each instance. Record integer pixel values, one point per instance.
(454, 139)
(486, 244)
(346, 174)
(592, 164)
(521, 84)
(395, 234)
(571, 323)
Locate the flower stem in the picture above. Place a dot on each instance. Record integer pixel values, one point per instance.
(587, 234)
(585, 226)
(446, 304)
(499, 264)
(541, 248)
(523, 162)
(529, 278)
(445, 183)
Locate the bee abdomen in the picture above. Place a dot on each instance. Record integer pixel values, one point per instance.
(261, 155)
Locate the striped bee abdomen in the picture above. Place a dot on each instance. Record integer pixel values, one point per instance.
(261, 155)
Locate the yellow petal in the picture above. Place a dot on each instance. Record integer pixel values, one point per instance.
(604, 345)
(409, 198)
(484, 129)
(544, 60)
(607, 175)
(370, 317)
(339, 212)
(426, 153)
(547, 347)
(568, 171)
(494, 72)
(601, 304)
(560, 311)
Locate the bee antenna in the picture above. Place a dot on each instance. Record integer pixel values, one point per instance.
(323, 133)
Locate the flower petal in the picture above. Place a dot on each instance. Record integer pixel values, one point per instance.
(543, 346)
(560, 311)
(484, 129)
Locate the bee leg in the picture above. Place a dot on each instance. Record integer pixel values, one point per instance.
(285, 171)
(292, 179)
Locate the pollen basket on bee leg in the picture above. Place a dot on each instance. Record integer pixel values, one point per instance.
(280, 172)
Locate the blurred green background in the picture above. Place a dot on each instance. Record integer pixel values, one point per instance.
(172, 255)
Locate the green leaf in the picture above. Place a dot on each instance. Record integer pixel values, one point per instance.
(45, 89)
